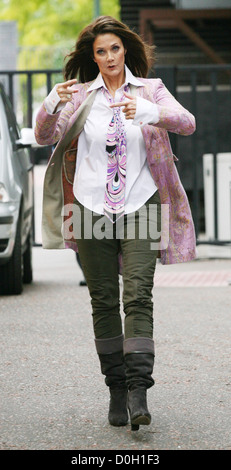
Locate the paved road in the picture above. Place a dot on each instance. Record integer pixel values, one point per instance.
(53, 394)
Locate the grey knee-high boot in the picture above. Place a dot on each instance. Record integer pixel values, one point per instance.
(110, 352)
(139, 361)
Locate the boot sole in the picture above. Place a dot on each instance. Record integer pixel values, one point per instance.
(118, 424)
(140, 420)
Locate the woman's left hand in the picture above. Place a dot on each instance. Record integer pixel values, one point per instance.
(129, 106)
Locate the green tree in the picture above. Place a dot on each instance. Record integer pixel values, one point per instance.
(47, 31)
(48, 28)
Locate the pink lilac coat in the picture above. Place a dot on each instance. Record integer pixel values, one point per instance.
(65, 127)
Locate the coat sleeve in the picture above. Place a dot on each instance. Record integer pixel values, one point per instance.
(172, 115)
(50, 128)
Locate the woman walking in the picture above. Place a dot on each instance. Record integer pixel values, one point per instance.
(110, 174)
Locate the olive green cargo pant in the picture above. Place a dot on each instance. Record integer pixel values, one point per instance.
(99, 243)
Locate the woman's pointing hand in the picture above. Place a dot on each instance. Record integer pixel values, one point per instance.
(65, 91)
(129, 106)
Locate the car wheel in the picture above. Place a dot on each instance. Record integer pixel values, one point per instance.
(27, 261)
(11, 272)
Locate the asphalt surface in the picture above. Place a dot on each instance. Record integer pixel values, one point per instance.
(53, 395)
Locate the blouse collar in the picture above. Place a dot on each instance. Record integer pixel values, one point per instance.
(129, 78)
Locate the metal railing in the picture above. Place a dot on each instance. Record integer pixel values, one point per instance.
(216, 77)
(29, 74)
(189, 84)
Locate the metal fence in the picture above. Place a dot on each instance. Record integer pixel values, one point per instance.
(203, 89)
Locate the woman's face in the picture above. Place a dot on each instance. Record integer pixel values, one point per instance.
(109, 54)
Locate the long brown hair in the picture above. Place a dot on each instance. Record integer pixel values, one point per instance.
(80, 62)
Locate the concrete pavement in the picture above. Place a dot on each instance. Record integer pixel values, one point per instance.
(53, 395)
